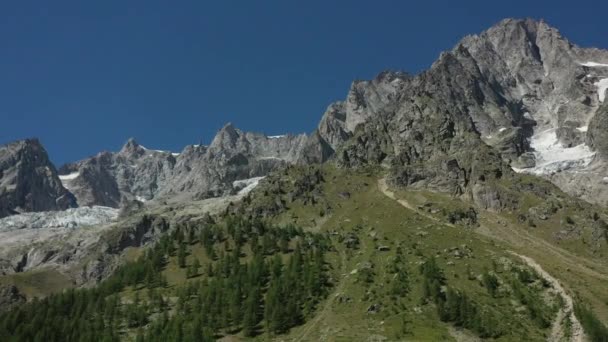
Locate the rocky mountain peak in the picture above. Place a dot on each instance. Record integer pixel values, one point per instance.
(29, 181)
(226, 138)
(132, 148)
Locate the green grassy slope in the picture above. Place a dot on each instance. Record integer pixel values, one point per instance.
(400, 265)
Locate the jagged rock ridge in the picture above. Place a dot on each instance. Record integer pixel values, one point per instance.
(138, 173)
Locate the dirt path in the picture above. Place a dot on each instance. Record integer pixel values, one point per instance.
(521, 237)
(557, 330)
(557, 333)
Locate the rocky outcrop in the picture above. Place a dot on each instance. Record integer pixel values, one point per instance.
(597, 134)
(29, 181)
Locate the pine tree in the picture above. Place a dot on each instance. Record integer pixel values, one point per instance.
(181, 255)
(251, 316)
(194, 268)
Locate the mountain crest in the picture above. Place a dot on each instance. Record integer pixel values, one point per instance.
(132, 148)
(29, 181)
(226, 138)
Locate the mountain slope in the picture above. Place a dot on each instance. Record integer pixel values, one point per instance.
(519, 87)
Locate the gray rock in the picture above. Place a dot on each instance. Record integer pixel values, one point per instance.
(496, 89)
(29, 181)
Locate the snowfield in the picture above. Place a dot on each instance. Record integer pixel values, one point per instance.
(246, 185)
(594, 64)
(66, 180)
(71, 176)
(70, 218)
(552, 157)
(602, 85)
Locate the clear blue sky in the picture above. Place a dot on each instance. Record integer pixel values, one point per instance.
(83, 76)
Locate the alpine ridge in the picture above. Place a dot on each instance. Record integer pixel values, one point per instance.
(519, 88)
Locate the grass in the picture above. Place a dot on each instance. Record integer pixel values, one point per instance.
(380, 221)
(38, 283)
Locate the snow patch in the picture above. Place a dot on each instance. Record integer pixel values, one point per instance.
(594, 64)
(246, 185)
(68, 177)
(602, 85)
(552, 157)
(270, 158)
(70, 218)
(141, 199)
(502, 129)
(582, 129)
(276, 136)
(159, 151)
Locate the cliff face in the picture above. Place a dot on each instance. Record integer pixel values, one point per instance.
(29, 181)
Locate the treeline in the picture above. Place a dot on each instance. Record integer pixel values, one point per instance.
(258, 279)
(258, 296)
(456, 307)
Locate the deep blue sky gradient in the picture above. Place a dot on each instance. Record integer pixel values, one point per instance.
(84, 76)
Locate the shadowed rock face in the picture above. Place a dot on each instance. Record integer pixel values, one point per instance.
(29, 181)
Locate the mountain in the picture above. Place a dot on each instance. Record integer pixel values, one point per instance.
(462, 203)
(210, 171)
(109, 178)
(519, 87)
(29, 181)
(198, 172)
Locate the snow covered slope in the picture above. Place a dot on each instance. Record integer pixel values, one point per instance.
(244, 186)
(70, 218)
(552, 157)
